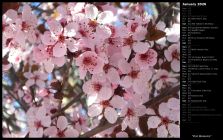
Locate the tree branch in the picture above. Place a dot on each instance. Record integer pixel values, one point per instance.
(164, 12)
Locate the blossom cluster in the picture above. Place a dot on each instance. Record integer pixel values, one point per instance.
(122, 67)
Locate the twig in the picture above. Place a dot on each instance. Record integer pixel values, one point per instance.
(67, 106)
(164, 12)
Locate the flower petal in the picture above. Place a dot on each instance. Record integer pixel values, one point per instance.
(62, 123)
(59, 50)
(94, 110)
(91, 11)
(110, 114)
(153, 122)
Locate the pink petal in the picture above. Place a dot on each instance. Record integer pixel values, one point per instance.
(10, 16)
(124, 66)
(36, 133)
(20, 38)
(71, 133)
(153, 122)
(140, 33)
(163, 109)
(140, 110)
(124, 124)
(55, 27)
(46, 121)
(43, 92)
(94, 110)
(105, 17)
(126, 51)
(48, 39)
(174, 130)
(126, 82)
(110, 114)
(175, 65)
(62, 123)
(117, 102)
(105, 93)
(174, 103)
(168, 55)
(133, 122)
(59, 61)
(30, 82)
(82, 73)
(140, 86)
(40, 83)
(122, 135)
(141, 47)
(91, 11)
(159, 84)
(51, 131)
(162, 132)
(150, 111)
(59, 50)
(113, 76)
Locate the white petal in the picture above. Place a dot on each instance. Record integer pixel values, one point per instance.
(48, 66)
(70, 29)
(133, 122)
(62, 123)
(111, 115)
(150, 111)
(91, 11)
(40, 83)
(72, 45)
(126, 82)
(48, 39)
(51, 131)
(126, 51)
(105, 17)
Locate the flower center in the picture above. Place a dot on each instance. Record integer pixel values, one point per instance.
(105, 103)
(144, 57)
(25, 26)
(83, 33)
(134, 26)
(128, 41)
(97, 86)
(60, 134)
(165, 121)
(130, 112)
(61, 38)
(87, 61)
(134, 74)
(164, 77)
(176, 55)
(37, 124)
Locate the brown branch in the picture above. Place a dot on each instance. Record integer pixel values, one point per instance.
(164, 12)
(67, 106)
(150, 103)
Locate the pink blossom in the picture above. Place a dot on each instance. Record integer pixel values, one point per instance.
(35, 78)
(166, 122)
(163, 78)
(131, 115)
(147, 59)
(61, 129)
(37, 120)
(89, 61)
(172, 55)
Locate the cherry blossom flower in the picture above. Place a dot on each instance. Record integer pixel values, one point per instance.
(172, 55)
(80, 122)
(131, 114)
(164, 78)
(35, 78)
(37, 120)
(147, 59)
(61, 129)
(166, 122)
(89, 61)
(135, 77)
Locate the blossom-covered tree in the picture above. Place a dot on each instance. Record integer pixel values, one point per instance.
(100, 69)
